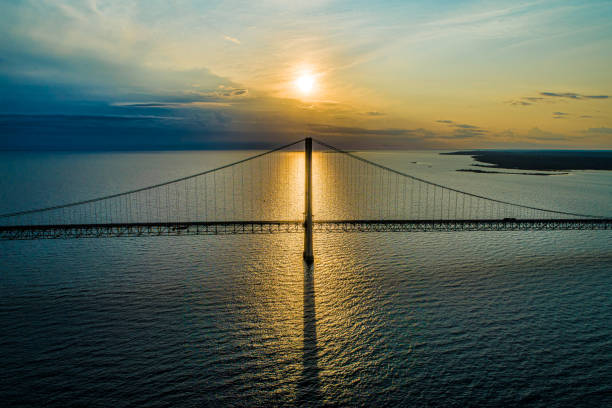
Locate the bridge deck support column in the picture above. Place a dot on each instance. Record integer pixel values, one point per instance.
(308, 255)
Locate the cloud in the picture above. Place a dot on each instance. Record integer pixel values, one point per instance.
(347, 130)
(560, 115)
(533, 98)
(374, 113)
(171, 105)
(462, 134)
(223, 92)
(25, 119)
(145, 104)
(600, 131)
(353, 137)
(231, 92)
(520, 103)
(202, 104)
(468, 133)
(94, 132)
(462, 130)
(549, 97)
(572, 95)
(232, 39)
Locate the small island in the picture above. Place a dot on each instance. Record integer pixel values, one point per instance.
(511, 172)
(541, 160)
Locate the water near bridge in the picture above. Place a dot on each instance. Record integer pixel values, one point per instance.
(381, 319)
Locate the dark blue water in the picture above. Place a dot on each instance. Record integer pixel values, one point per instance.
(382, 319)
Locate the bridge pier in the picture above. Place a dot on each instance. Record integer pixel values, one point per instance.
(308, 254)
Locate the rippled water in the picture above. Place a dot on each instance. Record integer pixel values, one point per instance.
(381, 319)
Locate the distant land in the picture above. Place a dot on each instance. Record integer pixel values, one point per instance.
(542, 160)
(509, 172)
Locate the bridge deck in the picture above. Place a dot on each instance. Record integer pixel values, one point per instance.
(29, 232)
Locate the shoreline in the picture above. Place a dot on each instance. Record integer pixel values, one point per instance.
(540, 160)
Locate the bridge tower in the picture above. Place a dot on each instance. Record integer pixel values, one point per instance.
(308, 255)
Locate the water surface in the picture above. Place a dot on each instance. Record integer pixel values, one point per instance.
(381, 319)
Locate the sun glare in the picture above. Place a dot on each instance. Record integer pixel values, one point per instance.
(305, 83)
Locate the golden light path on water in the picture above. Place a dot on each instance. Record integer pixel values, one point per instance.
(308, 320)
(282, 303)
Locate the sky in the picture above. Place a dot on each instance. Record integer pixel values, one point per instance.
(436, 74)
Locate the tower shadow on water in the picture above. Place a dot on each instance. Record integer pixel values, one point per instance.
(309, 386)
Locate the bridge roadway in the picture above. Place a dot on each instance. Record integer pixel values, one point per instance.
(27, 232)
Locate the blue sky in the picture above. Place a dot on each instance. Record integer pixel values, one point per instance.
(200, 74)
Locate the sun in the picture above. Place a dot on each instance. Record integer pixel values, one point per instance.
(305, 83)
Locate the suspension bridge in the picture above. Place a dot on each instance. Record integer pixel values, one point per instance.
(290, 189)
